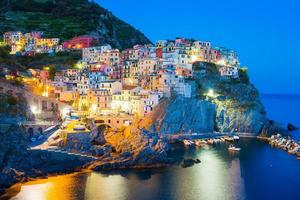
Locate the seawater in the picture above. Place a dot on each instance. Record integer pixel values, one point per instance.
(257, 172)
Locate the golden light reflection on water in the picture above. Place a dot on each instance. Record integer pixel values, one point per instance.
(214, 178)
(114, 187)
(53, 188)
(218, 176)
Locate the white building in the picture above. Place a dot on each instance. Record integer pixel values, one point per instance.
(93, 54)
(229, 71)
(96, 77)
(112, 86)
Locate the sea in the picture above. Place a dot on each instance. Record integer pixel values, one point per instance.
(257, 172)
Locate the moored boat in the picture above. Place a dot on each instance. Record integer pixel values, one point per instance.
(198, 143)
(233, 148)
(210, 141)
(229, 139)
(236, 137)
(188, 142)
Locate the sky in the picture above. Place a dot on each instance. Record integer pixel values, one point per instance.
(265, 33)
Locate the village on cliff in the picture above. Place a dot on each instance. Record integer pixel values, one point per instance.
(111, 86)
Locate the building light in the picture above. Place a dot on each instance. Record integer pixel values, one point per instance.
(94, 108)
(211, 93)
(34, 109)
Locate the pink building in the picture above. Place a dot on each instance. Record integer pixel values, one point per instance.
(79, 42)
(44, 74)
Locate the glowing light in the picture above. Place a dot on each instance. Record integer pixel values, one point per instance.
(211, 93)
(94, 108)
(194, 58)
(34, 109)
(45, 94)
(79, 65)
(65, 111)
(221, 62)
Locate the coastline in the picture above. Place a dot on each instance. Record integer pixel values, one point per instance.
(86, 169)
(79, 166)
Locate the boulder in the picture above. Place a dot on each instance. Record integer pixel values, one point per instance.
(190, 162)
(126, 154)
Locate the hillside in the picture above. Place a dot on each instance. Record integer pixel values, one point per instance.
(68, 18)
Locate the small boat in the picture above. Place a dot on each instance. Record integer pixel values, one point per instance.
(233, 148)
(229, 139)
(298, 158)
(198, 143)
(236, 137)
(186, 142)
(210, 141)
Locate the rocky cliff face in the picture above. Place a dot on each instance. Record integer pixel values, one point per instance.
(19, 164)
(68, 18)
(236, 106)
(185, 115)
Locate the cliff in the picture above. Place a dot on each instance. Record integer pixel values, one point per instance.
(18, 164)
(68, 18)
(235, 106)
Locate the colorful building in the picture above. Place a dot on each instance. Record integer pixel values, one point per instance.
(80, 42)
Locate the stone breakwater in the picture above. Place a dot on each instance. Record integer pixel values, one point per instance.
(285, 143)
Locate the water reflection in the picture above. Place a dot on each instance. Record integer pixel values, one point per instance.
(251, 174)
(101, 187)
(61, 187)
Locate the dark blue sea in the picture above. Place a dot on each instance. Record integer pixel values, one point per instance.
(257, 172)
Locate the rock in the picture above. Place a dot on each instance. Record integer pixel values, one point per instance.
(126, 154)
(10, 176)
(98, 151)
(291, 127)
(271, 128)
(188, 163)
(18, 164)
(192, 115)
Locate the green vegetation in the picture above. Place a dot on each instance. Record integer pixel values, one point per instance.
(65, 19)
(61, 59)
(8, 104)
(243, 73)
(60, 18)
(234, 92)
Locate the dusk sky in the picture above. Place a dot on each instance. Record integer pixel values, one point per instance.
(265, 33)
